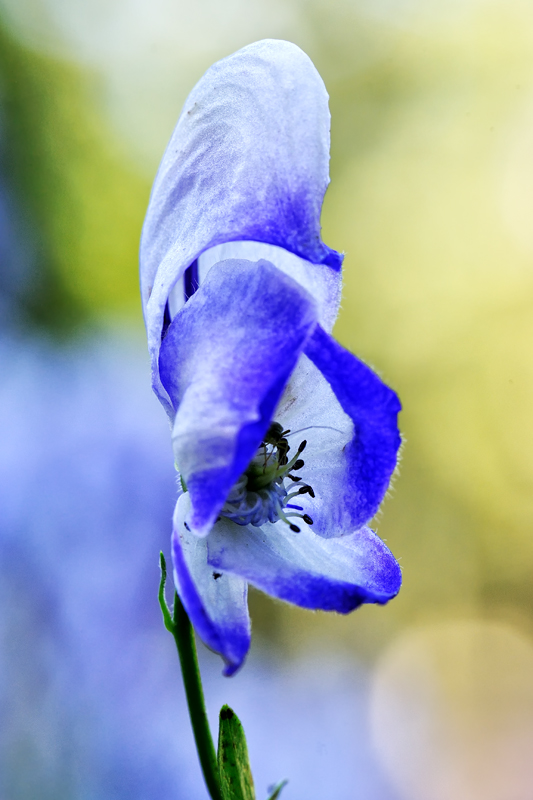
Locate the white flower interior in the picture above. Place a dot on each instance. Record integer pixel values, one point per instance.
(261, 494)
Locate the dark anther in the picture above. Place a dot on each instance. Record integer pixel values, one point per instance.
(295, 528)
(299, 464)
(217, 575)
(283, 447)
(274, 433)
(294, 478)
(307, 518)
(186, 526)
(302, 446)
(306, 490)
(311, 491)
(276, 437)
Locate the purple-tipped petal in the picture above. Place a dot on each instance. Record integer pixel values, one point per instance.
(224, 362)
(248, 160)
(351, 483)
(302, 568)
(216, 602)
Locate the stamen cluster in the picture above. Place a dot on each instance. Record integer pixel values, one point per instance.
(260, 495)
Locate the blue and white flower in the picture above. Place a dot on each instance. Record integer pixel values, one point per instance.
(284, 441)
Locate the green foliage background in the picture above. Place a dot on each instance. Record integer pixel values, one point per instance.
(84, 199)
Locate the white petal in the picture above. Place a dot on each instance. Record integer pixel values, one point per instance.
(311, 411)
(302, 568)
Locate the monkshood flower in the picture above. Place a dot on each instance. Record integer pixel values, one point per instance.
(284, 441)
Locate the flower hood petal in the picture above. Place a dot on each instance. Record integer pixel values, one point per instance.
(248, 160)
(224, 362)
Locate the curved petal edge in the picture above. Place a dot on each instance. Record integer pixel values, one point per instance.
(372, 455)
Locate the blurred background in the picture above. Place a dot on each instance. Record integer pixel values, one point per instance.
(429, 698)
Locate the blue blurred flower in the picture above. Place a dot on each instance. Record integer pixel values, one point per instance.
(240, 295)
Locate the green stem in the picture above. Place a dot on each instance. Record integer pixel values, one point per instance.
(180, 627)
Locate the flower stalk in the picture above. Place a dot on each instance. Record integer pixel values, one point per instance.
(180, 627)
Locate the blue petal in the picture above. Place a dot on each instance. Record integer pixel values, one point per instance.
(355, 481)
(248, 160)
(216, 603)
(224, 362)
(305, 569)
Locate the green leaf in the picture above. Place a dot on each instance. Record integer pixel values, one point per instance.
(276, 791)
(235, 773)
